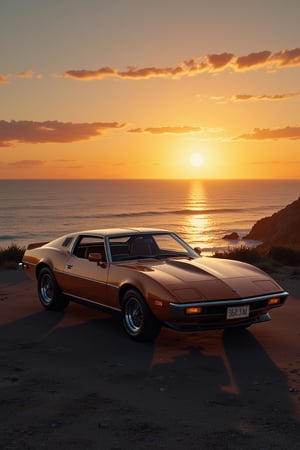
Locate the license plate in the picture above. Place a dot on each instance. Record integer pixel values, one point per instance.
(237, 312)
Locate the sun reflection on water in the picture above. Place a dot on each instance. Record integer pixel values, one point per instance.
(198, 221)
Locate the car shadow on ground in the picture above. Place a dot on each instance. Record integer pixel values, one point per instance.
(194, 389)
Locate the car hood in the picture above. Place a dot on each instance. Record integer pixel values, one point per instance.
(206, 278)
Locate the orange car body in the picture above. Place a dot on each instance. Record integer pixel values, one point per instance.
(182, 289)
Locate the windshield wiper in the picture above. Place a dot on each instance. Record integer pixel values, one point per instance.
(170, 255)
(156, 256)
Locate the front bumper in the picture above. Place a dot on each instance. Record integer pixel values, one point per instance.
(221, 326)
(213, 313)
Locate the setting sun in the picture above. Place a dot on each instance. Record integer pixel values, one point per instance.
(196, 160)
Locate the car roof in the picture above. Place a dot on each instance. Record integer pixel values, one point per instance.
(121, 231)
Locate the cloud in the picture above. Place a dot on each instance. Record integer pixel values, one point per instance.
(218, 62)
(130, 73)
(50, 131)
(259, 134)
(27, 163)
(84, 74)
(120, 163)
(38, 163)
(3, 79)
(195, 66)
(257, 98)
(28, 74)
(166, 130)
(289, 58)
(253, 60)
(279, 162)
(25, 75)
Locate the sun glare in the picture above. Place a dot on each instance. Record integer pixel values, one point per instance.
(196, 159)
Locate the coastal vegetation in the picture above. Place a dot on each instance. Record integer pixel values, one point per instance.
(267, 258)
(10, 256)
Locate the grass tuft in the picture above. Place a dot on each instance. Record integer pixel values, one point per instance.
(263, 258)
(11, 256)
(246, 254)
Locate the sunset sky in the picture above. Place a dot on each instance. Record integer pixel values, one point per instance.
(150, 89)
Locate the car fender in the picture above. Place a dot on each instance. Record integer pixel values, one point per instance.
(157, 297)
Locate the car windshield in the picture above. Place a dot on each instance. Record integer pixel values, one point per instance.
(156, 245)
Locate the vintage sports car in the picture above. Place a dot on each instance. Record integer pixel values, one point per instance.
(152, 278)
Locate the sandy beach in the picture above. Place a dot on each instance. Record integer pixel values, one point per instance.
(72, 380)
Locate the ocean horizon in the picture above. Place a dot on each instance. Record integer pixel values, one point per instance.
(201, 211)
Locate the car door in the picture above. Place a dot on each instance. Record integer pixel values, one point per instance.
(83, 278)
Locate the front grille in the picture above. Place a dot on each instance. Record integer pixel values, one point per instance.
(258, 305)
(216, 310)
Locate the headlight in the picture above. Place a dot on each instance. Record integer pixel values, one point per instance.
(274, 301)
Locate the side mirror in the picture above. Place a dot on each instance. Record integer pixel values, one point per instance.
(95, 257)
(198, 250)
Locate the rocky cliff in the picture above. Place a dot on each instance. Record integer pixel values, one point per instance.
(282, 228)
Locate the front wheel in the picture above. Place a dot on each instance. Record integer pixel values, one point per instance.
(49, 293)
(138, 321)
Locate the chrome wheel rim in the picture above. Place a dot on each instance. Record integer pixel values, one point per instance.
(47, 289)
(134, 316)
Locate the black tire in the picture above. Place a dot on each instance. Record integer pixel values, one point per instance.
(49, 293)
(138, 321)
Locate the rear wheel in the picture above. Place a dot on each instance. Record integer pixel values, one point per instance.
(138, 321)
(49, 293)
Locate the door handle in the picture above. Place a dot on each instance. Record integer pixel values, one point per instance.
(69, 266)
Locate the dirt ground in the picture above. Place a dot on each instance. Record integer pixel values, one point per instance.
(72, 380)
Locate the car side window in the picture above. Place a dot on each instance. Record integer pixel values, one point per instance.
(90, 244)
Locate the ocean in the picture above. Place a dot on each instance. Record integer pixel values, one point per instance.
(202, 212)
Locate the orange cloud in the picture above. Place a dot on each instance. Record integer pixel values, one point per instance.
(259, 134)
(253, 60)
(28, 74)
(166, 130)
(38, 163)
(151, 72)
(131, 73)
(278, 162)
(245, 97)
(28, 163)
(218, 62)
(287, 58)
(50, 131)
(3, 79)
(83, 74)
(194, 66)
